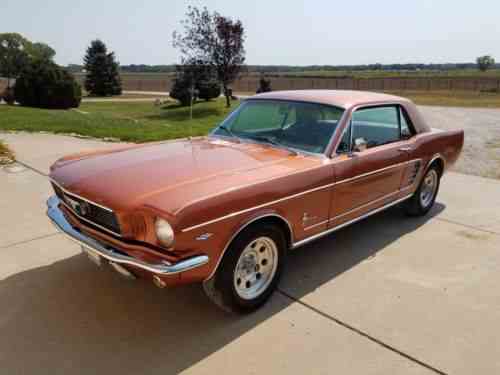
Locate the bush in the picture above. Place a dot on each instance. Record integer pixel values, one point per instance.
(264, 85)
(208, 90)
(44, 84)
(181, 91)
(8, 95)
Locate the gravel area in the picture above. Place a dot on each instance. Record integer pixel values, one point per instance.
(481, 153)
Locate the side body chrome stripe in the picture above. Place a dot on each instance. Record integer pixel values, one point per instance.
(233, 214)
(257, 207)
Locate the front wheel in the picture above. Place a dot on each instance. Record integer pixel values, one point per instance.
(250, 269)
(422, 201)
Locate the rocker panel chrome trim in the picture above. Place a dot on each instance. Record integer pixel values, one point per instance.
(364, 205)
(331, 230)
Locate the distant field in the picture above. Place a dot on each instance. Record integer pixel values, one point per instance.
(468, 99)
(461, 73)
(473, 73)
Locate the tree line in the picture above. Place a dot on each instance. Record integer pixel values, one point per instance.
(263, 69)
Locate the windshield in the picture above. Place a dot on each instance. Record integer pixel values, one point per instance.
(301, 126)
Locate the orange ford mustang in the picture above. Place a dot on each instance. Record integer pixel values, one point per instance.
(282, 170)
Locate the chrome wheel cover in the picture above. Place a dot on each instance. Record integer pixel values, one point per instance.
(428, 189)
(256, 268)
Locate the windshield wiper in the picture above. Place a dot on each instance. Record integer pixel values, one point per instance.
(271, 141)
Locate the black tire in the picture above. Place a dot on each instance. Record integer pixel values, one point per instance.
(415, 205)
(221, 287)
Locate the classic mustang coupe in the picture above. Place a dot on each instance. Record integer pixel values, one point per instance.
(282, 170)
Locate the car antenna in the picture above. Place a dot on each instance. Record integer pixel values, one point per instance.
(191, 91)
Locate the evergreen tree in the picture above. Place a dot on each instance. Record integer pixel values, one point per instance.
(102, 78)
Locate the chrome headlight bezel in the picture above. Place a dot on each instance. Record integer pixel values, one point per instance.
(164, 232)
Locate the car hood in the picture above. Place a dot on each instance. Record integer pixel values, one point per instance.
(170, 175)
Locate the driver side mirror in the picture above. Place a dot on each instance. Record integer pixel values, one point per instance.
(360, 144)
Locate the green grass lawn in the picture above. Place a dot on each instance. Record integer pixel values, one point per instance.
(144, 122)
(132, 121)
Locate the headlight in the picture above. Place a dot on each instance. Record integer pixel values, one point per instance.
(164, 232)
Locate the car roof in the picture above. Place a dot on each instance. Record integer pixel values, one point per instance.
(339, 98)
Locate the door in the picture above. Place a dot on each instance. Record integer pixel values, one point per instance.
(372, 160)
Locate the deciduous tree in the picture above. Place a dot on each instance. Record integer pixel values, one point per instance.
(41, 51)
(215, 41)
(485, 62)
(13, 55)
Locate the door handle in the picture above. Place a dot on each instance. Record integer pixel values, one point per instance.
(405, 149)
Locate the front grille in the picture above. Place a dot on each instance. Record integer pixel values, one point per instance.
(88, 211)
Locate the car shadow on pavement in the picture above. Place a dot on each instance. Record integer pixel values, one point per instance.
(69, 317)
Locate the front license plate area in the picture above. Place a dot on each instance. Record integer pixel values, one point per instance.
(95, 258)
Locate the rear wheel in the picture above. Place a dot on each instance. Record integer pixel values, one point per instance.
(250, 269)
(422, 201)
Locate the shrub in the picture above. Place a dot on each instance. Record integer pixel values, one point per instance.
(264, 85)
(208, 90)
(6, 155)
(181, 91)
(44, 84)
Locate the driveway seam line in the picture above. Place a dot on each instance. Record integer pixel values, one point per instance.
(468, 226)
(364, 334)
(30, 167)
(29, 240)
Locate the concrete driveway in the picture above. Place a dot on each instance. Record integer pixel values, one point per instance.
(390, 295)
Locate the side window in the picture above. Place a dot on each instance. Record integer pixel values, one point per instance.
(406, 126)
(377, 126)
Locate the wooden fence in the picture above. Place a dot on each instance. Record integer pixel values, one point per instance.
(250, 83)
(163, 82)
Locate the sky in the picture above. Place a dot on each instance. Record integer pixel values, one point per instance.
(314, 32)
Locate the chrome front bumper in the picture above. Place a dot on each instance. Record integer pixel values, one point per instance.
(113, 255)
